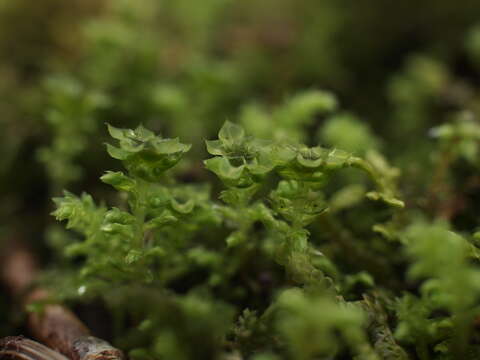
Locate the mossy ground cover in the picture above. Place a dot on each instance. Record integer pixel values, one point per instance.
(248, 180)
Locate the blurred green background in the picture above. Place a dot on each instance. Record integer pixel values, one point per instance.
(182, 67)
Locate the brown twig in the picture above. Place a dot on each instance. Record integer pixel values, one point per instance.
(440, 189)
(20, 348)
(55, 326)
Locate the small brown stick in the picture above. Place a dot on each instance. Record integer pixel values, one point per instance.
(20, 348)
(55, 326)
(445, 201)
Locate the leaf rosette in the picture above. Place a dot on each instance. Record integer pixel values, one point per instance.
(312, 164)
(239, 161)
(144, 154)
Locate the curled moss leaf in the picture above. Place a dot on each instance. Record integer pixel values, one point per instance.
(144, 154)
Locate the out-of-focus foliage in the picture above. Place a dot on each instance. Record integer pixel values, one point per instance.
(318, 247)
(347, 132)
(288, 121)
